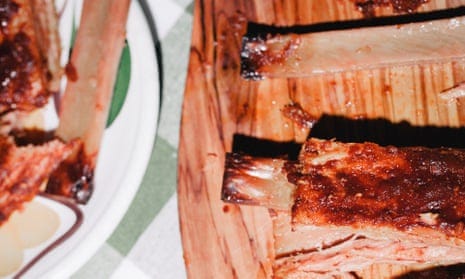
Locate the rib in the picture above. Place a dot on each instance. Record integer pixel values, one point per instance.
(286, 52)
(84, 107)
(24, 169)
(356, 204)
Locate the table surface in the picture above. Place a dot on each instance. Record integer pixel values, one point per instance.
(146, 243)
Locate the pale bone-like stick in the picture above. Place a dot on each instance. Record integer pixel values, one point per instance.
(300, 55)
(84, 107)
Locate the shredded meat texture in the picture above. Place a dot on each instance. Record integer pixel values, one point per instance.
(304, 251)
(24, 169)
(24, 73)
(343, 207)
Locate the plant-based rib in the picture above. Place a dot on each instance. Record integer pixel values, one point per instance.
(356, 204)
(85, 104)
(300, 55)
(24, 169)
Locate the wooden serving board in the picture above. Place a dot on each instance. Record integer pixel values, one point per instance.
(226, 241)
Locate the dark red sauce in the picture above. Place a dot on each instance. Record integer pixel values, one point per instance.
(385, 185)
(18, 69)
(368, 7)
(299, 116)
(71, 72)
(73, 178)
(8, 9)
(257, 57)
(31, 136)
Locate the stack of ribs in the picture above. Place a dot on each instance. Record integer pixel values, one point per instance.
(341, 207)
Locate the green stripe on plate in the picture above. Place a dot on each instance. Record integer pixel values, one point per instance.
(101, 265)
(157, 187)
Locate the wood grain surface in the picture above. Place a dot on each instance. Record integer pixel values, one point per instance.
(226, 241)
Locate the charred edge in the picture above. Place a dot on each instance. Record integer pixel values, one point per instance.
(299, 116)
(250, 64)
(229, 194)
(74, 178)
(455, 271)
(251, 180)
(235, 164)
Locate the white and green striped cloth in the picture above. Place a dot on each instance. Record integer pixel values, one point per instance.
(146, 243)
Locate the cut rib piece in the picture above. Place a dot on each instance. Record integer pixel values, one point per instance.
(24, 169)
(86, 101)
(306, 251)
(300, 55)
(357, 204)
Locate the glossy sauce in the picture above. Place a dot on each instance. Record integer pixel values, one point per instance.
(73, 178)
(368, 7)
(8, 9)
(22, 68)
(374, 185)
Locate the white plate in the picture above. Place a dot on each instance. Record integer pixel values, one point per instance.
(125, 152)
